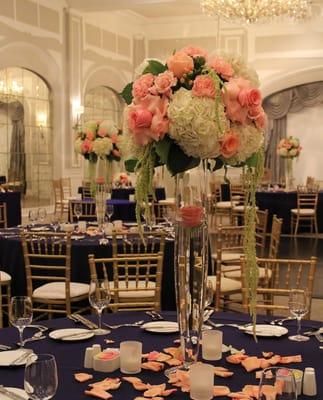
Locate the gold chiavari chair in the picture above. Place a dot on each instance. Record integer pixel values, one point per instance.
(136, 280)
(48, 259)
(87, 208)
(60, 203)
(66, 188)
(5, 279)
(162, 210)
(261, 231)
(281, 275)
(133, 244)
(305, 213)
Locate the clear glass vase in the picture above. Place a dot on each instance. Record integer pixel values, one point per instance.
(101, 195)
(191, 259)
(289, 179)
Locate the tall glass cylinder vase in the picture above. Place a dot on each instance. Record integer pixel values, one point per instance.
(289, 180)
(100, 204)
(191, 259)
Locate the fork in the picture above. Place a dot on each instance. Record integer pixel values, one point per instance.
(138, 323)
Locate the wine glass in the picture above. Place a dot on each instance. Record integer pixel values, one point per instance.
(32, 217)
(41, 380)
(298, 306)
(277, 380)
(42, 215)
(55, 222)
(78, 211)
(109, 211)
(20, 314)
(209, 294)
(99, 298)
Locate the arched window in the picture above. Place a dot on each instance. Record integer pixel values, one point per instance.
(103, 103)
(26, 149)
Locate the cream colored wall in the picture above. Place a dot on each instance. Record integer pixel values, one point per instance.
(75, 52)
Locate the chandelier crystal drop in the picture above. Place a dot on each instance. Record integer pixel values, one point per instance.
(253, 11)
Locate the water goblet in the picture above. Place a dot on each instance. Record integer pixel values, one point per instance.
(55, 222)
(42, 215)
(32, 217)
(77, 211)
(109, 211)
(20, 314)
(277, 382)
(298, 306)
(41, 380)
(99, 298)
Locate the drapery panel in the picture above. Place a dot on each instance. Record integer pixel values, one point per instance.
(17, 163)
(277, 106)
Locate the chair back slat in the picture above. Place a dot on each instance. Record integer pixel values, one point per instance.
(87, 207)
(276, 228)
(3, 215)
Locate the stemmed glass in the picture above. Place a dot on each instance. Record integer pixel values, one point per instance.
(78, 211)
(42, 215)
(41, 380)
(109, 211)
(298, 306)
(99, 298)
(55, 222)
(20, 314)
(209, 294)
(32, 217)
(277, 380)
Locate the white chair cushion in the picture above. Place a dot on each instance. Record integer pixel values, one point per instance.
(227, 285)
(224, 204)
(132, 294)
(303, 211)
(227, 256)
(237, 273)
(56, 290)
(240, 208)
(170, 201)
(4, 277)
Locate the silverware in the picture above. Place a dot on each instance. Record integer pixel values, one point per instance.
(72, 335)
(4, 347)
(241, 327)
(36, 336)
(281, 321)
(138, 323)
(89, 324)
(207, 314)
(21, 358)
(9, 394)
(154, 315)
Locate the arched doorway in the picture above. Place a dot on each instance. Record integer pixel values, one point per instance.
(26, 142)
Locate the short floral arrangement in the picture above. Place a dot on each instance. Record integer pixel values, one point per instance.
(98, 139)
(289, 147)
(192, 108)
(122, 180)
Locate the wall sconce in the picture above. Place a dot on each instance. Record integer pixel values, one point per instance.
(41, 122)
(78, 111)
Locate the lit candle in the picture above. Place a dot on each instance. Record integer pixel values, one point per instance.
(130, 357)
(212, 345)
(201, 381)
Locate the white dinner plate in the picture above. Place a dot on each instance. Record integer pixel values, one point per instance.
(160, 326)
(8, 357)
(17, 391)
(39, 228)
(267, 330)
(71, 335)
(130, 224)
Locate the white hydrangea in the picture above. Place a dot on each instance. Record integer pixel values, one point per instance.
(251, 139)
(78, 145)
(194, 125)
(283, 152)
(90, 126)
(109, 126)
(102, 147)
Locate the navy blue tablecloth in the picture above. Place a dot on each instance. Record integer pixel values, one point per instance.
(12, 261)
(124, 193)
(12, 199)
(70, 356)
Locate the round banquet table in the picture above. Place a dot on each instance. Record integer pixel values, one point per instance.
(12, 200)
(124, 193)
(70, 355)
(12, 262)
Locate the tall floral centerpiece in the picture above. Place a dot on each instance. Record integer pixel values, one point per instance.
(194, 110)
(289, 148)
(99, 140)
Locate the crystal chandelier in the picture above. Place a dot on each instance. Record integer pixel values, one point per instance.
(252, 11)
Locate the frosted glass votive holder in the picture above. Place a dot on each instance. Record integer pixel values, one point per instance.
(130, 357)
(212, 345)
(201, 381)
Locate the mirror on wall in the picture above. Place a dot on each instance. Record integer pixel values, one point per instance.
(26, 148)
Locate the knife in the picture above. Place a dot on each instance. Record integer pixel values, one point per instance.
(89, 324)
(10, 394)
(72, 335)
(21, 358)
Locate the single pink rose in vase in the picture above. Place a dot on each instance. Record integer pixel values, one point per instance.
(191, 216)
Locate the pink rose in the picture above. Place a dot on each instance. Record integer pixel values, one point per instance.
(116, 153)
(191, 216)
(230, 144)
(234, 110)
(139, 117)
(102, 132)
(164, 82)
(261, 121)
(194, 51)
(87, 146)
(114, 138)
(90, 135)
(203, 87)
(180, 64)
(141, 86)
(254, 112)
(221, 67)
(253, 97)
(159, 126)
